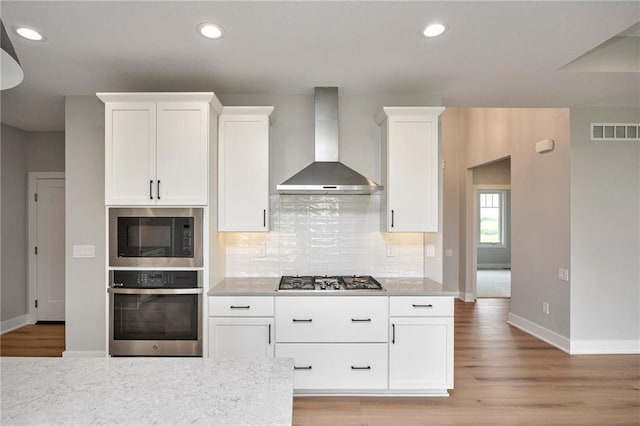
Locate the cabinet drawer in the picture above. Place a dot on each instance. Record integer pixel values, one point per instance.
(420, 306)
(337, 366)
(331, 319)
(240, 306)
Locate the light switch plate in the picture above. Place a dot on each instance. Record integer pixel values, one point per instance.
(563, 274)
(448, 252)
(84, 251)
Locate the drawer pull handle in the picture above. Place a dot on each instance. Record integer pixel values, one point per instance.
(393, 334)
(308, 367)
(269, 331)
(360, 319)
(240, 307)
(368, 367)
(302, 320)
(422, 306)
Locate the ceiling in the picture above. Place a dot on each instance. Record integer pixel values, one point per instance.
(494, 54)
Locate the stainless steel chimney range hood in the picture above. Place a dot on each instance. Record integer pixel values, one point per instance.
(326, 175)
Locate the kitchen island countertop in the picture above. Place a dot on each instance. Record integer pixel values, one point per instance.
(267, 286)
(141, 391)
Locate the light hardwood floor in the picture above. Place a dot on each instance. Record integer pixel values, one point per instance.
(502, 377)
(34, 340)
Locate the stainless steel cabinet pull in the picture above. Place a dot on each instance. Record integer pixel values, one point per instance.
(239, 307)
(302, 320)
(269, 333)
(264, 218)
(393, 334)
(151, 190)
(422, 306)
(368, 367)
(308, 367)
(158, 194)
(392, 217)
(360, 319)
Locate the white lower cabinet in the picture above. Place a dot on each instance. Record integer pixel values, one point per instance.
(240, 337)
(339, 366)
(421, 343)
(241, 327)
(390, 345)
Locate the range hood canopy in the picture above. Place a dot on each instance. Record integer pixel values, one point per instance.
(326, 175)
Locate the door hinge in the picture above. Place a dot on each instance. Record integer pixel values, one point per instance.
(36, 303)
(35, 250)
(35, 197)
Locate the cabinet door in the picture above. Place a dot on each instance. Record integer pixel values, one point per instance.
(130, 153)
(243, 186)
(421, 353)
(412, 174)
(241, 337)
(182, 153)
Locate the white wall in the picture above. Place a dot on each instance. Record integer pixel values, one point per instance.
(85, 224)
(13, 267)
(23, 152)
(540, 204)
(605, 236)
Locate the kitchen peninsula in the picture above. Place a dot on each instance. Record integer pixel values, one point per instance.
(393, 340)
(139, 391)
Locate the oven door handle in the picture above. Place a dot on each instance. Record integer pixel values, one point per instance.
(155, 290)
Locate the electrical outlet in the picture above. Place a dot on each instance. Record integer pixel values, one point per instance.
(390, 251)
(545, 308)
(262, 250)
(563, 274)
(431, 250)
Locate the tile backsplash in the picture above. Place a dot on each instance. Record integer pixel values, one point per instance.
(324, 235)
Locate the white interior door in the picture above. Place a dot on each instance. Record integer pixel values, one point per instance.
(49, 257)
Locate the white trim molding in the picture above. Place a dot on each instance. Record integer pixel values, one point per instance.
(13, 323)
(544, 334)
(84, 354)
(466, 297)
(605, 347)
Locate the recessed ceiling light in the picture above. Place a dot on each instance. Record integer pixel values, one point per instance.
(29, 34)
(210, 30)
(434, 30)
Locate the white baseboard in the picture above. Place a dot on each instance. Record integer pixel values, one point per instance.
(466, 297)
(84, 354)
(494, 266)
(605, 347)
(544, 334)
(13, 323)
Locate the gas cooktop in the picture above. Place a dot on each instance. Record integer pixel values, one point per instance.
(329, 283)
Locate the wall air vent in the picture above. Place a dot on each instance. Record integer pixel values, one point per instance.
(615, 132)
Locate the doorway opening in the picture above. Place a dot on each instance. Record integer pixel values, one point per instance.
(492, 230)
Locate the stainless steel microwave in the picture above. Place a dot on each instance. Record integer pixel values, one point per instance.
(155, 237)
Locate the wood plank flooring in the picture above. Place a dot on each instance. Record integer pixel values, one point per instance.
(503, 376)
(34, 340)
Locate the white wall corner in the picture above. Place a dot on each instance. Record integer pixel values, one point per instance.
(13, 323)
(466, 297)
(84, 354)
(542, 333)
(605, 347)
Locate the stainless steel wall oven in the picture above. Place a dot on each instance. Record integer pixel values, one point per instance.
(155, 237)
(155, 313)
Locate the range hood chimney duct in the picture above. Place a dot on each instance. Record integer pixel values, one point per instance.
(326, 175)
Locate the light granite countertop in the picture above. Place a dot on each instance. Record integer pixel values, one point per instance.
(146, 391)
(267, 286)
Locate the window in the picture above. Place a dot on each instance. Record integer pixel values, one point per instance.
(491, 218)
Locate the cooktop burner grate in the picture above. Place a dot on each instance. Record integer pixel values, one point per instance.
(345, 282)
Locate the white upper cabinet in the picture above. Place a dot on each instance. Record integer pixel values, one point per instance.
(243, 167)
(409, 168)
(157, 148)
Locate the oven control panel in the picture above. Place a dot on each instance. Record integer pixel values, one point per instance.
(154, 279)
